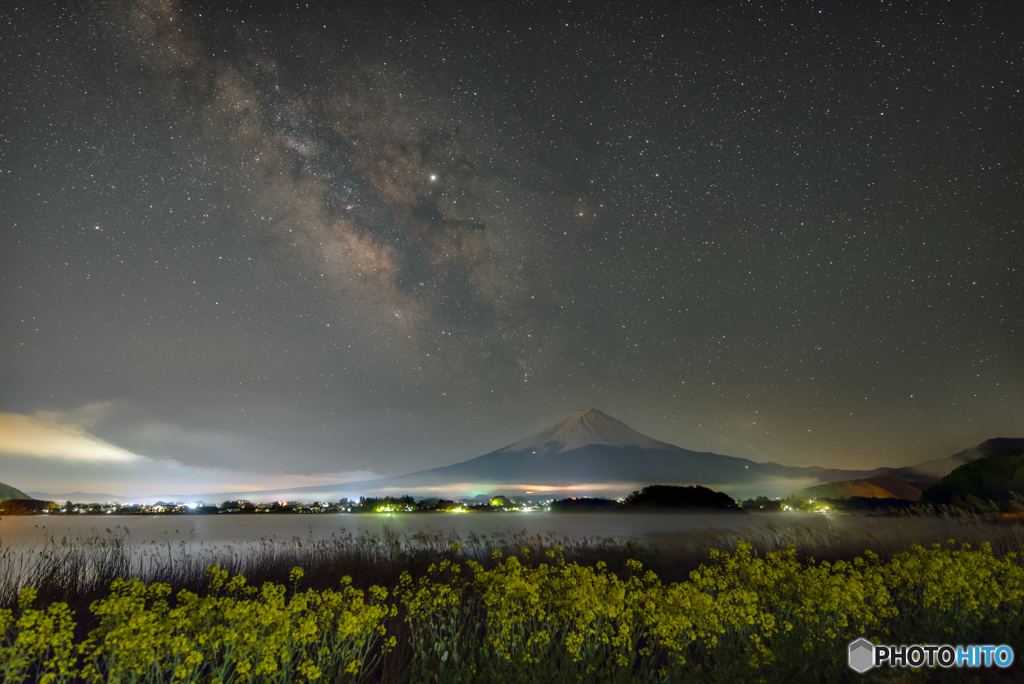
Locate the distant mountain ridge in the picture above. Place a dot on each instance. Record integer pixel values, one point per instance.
(909, 482)
(89, 497)
(925, 474)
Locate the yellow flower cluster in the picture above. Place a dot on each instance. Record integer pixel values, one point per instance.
(236, 633)
(42, 639)
(739, 618)
(960, 593)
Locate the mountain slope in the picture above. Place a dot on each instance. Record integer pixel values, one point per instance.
(883, 486)
(909, 482)
(8, 492)
(996, 477)
(925, 474)
(590, 447)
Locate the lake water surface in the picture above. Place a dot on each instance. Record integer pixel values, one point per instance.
(24, 532)
(673, 539)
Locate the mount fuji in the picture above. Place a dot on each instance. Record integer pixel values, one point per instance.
(591, 452)
(585, 453)
(591, 448)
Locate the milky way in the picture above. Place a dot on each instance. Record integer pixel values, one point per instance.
(380, 237)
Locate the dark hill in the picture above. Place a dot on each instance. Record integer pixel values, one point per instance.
(24, 506)
(875, 487)
(925, 474)
(908, 483)
(994, 478)
(9, 492)
(667, 496)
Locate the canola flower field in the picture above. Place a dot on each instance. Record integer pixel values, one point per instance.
(740, 617)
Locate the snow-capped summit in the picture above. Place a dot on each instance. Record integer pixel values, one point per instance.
(585, 428)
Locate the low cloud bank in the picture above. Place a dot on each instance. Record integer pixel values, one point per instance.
(61, 436)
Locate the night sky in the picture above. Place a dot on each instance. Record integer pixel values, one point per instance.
(287, 244)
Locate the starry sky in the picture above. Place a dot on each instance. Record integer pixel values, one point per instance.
(277, 244)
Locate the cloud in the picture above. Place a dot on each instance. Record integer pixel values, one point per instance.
(59, 435)
(32, 445)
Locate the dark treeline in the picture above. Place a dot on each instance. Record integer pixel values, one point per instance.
(661, 497)
(653, 497)
(385, 504)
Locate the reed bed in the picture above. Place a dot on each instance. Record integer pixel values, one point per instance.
(78, 570)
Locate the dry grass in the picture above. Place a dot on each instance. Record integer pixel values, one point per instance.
(837, 537)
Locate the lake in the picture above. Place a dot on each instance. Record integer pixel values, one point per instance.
(673, 534)
(29, 531)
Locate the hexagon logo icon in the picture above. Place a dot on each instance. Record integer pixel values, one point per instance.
(862, 655)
